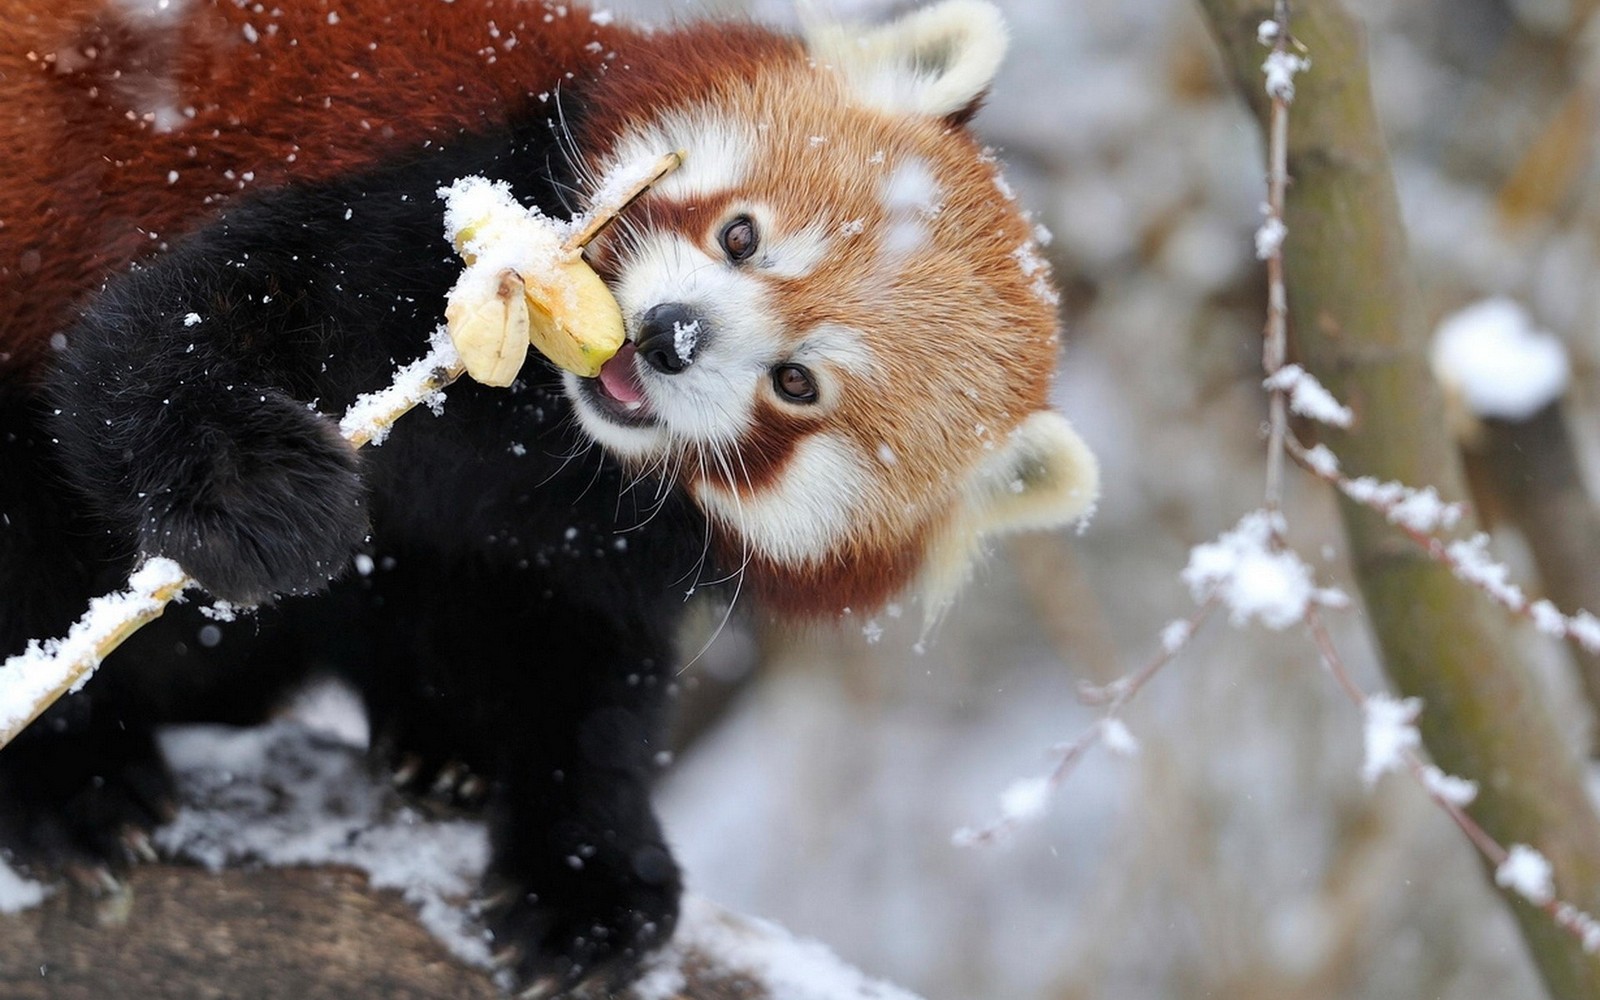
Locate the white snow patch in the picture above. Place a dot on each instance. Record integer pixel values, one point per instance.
(1502, 365)
(1585, 628)
(1174, 634)
(1527, 873)
(1117, 738)
(1390, 733)
(685, 338)
(1420, 510)
(1473, 564)
(787, 966)
(1025, 799)
(1280, 69)
(1270, 237)
(281, 795)
(18, 893)
(1454, 790)
(1322, 460)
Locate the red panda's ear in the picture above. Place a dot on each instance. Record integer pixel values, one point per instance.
(1042, 476)
(937, 61)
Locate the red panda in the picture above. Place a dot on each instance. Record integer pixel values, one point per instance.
(220, 223)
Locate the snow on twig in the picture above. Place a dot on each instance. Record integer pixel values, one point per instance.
(1257, 577)
(33, 679)
(1307, 396)
(1274, 231)
(1520, 868)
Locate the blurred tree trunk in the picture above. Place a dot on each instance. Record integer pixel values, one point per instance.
(1352, 306)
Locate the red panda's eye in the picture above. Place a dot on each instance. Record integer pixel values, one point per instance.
(739, 239)
(794, 384)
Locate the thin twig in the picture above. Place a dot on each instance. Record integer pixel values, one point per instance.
(1114, 696)
(1581, 925)
(1275, 338)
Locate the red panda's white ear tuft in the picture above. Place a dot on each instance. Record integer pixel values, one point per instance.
(1042, 476)
(935, 61)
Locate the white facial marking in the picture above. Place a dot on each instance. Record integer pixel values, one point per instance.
(911, 187)
(835, 344)
(911, 198)
(795, 254)
(808, 511)
(718, 152)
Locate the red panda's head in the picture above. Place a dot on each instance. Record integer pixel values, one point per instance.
(841, 333)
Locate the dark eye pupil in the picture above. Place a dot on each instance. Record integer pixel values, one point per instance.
(739, 238)
(795, 383)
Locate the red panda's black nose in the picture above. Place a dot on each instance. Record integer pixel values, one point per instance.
(670, 334)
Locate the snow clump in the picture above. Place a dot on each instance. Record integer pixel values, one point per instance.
(1499, 363)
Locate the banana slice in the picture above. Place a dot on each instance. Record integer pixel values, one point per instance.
(491, 333)
(575, 322)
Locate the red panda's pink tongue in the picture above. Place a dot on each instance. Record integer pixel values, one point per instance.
(619, 380)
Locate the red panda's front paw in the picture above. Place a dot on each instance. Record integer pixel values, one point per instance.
(266, 504)
(583, 934)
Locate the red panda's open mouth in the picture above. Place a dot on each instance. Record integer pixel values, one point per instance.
(617, 390)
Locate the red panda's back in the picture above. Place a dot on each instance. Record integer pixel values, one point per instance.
(125, 128)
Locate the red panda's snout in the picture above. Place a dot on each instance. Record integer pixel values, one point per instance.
(841, 333)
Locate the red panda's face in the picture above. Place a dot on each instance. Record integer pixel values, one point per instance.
(841, 334)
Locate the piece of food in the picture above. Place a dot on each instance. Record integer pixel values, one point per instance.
(525, 282)
(491, 333)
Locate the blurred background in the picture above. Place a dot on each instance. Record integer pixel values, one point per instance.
(1238, 854)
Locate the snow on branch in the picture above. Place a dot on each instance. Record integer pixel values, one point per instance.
(1255, 575)
(1421, 515)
